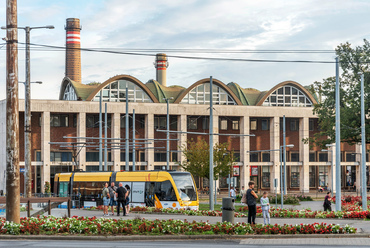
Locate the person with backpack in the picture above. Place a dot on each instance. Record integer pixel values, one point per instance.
(327, 202)
(251, 202)
(112, 194)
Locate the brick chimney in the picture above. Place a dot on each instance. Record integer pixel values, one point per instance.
(161, 64)
(73, 52)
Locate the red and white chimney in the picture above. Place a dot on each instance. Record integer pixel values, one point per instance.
(73, 52)
(161, 64)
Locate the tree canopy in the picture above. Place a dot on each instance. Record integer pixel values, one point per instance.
(353, 61)
(197, 159)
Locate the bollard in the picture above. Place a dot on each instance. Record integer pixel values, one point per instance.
(228, 209)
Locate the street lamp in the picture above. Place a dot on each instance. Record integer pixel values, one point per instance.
(27, 110)
(168, 132)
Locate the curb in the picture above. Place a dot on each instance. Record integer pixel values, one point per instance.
(179, 237)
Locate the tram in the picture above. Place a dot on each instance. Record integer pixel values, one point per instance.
(160, 189)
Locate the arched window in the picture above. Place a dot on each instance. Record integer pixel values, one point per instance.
(69, 93)
(116, 92)
(201, 95)
(288, 96)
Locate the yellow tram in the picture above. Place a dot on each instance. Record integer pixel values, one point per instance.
(162, 189)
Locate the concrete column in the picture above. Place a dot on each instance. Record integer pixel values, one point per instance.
(358, 167)
(275, 155)
(304, 154)
(81, 132)
(331, 159)
(149, 134)
(182, 126)
(45, 149)
(116, 133)
(244, 147)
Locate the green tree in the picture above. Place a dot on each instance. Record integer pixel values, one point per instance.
(353, 60)
(197, 159)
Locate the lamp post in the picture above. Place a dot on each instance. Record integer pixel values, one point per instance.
(168, 133)
(363, 148)
(27, 111)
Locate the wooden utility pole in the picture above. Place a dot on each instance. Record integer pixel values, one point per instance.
(12, 115)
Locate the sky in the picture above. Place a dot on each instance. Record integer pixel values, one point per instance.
(192, 24)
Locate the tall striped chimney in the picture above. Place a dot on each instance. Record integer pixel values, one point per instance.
(73, 52)
(161, 64)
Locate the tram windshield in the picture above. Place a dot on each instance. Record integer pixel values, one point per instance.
(185, 186)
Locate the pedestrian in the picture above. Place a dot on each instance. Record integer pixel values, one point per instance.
(242, 192)
(127, 199)
(233, 193)
(112, 194)
(105, 195)
(251, 202)
(121, 199)
(327, 202)
(265, 204)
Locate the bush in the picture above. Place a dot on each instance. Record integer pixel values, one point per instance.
(304, 198)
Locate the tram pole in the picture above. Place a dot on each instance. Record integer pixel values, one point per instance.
(211, 202)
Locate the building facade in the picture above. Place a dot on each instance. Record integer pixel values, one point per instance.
(74, 119)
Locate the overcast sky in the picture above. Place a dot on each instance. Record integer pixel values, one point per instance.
(191, 24)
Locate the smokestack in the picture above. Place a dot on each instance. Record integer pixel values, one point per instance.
(161, 64)
(73, 52)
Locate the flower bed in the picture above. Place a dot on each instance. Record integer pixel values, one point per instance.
(101, 226)
(351, 203)
(274, 212)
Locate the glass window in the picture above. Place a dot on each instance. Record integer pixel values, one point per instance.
(311, 124)
(116, 92)
(237, 156)
(254, 157)
(164, 191)
(123, 121)
(265, 157)
(192, 123)
(312, 175)
(223, 124)
(201, 95)
(38, 156)
(160, 157)
(266, 176)
(235, 125)
(294, 156)
(288, 96)
(294, 125)
(58, 120)
(123, 156)
(185, 186)
(69, 93)
(312, 157)
(265, 124)
(61, 156)
(350, 157)
(205, 123)
(160, 122)
(323, 176)
(294, 176)
(92, 157)
(323, 157)
(253, 124)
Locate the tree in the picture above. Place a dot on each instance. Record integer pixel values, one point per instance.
(352, 62)
(197, 159)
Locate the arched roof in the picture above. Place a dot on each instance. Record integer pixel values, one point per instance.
(82, 90)
(123, 77)
(292, 83)
(206, 80)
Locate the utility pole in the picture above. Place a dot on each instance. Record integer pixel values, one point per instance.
(338, 184)
(100, 132)
(27, 119)
(12, 115)
(105, 137)
(133, 141)
(284, 146)
(363, 144)
(211, 197)
(127, 167)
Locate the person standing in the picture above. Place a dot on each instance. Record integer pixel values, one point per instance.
(327, 202)
(127, 199)
(251, 202)
(112, 194)
(105, 194)
(121, 199)
(242, 192)
(233, 193)
(265, 204)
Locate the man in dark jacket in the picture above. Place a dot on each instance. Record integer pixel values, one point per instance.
(251, 201)
(121, 199)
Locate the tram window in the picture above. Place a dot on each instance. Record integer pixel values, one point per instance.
(164, 191)
(185, 187)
